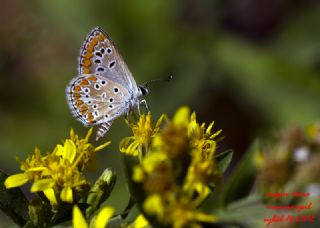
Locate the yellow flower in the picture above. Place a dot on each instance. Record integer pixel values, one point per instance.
(202, 139)
(153, 205)
(173, 139)
(178, 212)
(99, 221)
(176, 169)
(143, 132)
(58, 173)
(182, 214)
(139, 222)
(84, 150)
(155, 172)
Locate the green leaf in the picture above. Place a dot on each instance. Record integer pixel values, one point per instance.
(40, 213)
(241, 180)
(13, 202)
(29, 224)
(101, 190)
(115, 222)
(63, 213)
(223, 160)
(135, 189)
(133, 214)
(249, 211)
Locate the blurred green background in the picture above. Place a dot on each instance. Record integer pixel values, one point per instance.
(253, 66)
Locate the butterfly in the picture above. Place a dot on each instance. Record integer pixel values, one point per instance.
(104, 88)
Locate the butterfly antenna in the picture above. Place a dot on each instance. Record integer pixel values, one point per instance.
(146, 84)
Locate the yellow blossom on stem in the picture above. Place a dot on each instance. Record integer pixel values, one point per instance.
(99, 221)
(176, 169)
(143, 132)
(58, 173)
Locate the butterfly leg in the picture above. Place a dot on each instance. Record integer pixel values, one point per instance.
(145, 104)
(127, 116)
(103, 130)
(139, 109)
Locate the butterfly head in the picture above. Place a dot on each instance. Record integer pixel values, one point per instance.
(143, 90)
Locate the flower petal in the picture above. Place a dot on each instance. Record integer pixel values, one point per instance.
(202, 217)
(153, 205)
(215, 134)
(41, 185)
(59, 150)
(103, 217)
(140, 222)
(181, 117)
(138, 174)
(208, 131)
(16, 180)
(78, 221)
(69, 152)
(86, 139)
(162, 118)
(102, 146)
(37, 169)
(51, 196)
(66, 194)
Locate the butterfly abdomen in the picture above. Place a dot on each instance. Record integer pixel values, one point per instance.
(103, 130)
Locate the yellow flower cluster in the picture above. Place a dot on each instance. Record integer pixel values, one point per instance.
(176, 166)
(59, 173)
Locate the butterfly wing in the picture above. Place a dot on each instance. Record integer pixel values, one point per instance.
(95, 100)
(99, 56)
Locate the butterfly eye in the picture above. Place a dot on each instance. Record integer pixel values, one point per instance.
(95, 106)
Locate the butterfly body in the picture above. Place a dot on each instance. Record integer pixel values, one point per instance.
(104, 88)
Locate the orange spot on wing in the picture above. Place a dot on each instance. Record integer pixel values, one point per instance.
(85, 70)
(83, 109)
(86, 62)
(90, 48)
(77, 88)
(84, 82)
(92, 78)
(90, 117)
(94, 41)
(88, 55)
(101, 37)
(79, 103)
(76, 96)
